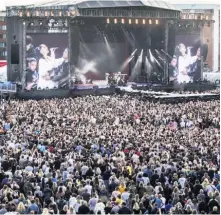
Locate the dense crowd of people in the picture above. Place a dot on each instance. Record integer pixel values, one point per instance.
(109, 155)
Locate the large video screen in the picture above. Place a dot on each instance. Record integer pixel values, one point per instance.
(98, 59)
(47, 65)
(185, 65)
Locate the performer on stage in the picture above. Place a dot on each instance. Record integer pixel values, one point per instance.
(184, 62)
(46, 65)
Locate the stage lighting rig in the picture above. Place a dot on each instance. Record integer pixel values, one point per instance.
(144, 21)
(150, 21)
(129, 21)
(108, 21)
(136, 21)
(115, 21)
(122, 21)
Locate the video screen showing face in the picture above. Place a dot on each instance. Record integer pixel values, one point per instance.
(47, 65)
(185, 65)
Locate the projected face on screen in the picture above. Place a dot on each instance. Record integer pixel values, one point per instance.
(47, 61)
(185, 65)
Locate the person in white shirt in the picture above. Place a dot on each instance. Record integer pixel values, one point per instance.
(99, 207)
(135, 158)
(72, 201)
(182, 181)
(163, 203)
(125, 195)
(184, 62)
(88, 187)
(45, 65)
(145, 178)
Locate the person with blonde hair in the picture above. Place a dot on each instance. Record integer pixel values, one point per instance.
(45, 212)
(21, 208)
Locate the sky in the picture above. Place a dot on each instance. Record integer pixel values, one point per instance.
(4, 3)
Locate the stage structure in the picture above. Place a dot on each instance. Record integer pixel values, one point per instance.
(62, 28)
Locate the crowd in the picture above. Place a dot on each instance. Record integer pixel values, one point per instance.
(109, 155)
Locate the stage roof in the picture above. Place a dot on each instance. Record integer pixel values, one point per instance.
(86, 4)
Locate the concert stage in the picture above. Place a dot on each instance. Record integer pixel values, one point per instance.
(94, 38)
(173, 97)
(156, 92)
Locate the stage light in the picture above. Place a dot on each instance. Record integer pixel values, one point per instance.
(144, 21)
(46, 13)
(68, 13)
(28, 14)
(60, 13)
(157, 21)
(108, 21)
(136, 21)
(129, 21)
(32, 23)
(37, 13)
(122, 21)
(20, 14)
(207, 17)
(52, 14)
(150, 22)
(115, 21)
(40, 23)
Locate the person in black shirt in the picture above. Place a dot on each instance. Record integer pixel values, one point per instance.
(32, 74)
(173, 70)
(61, 74)
(124, 209)
(30, 50)
(195, 68)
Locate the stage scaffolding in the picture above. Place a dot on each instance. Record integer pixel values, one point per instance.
(22, 20)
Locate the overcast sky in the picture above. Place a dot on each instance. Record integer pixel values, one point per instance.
(4, 3)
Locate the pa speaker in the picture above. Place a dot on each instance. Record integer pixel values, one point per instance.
(14, 53)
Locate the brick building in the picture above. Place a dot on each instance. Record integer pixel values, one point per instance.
(3, 51)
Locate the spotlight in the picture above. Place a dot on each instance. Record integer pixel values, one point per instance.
(207, 17)
(108, 21)
(60, 13)
(37, 13)
(136, 21)
(28, 14)
(129, 21)
(20, 14)
(32, 23)
(122, 21)
(115, 21)
(46, 13)
(157, 21)
(150, 22)
(40, 23)
(144, 21)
